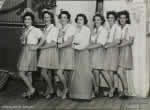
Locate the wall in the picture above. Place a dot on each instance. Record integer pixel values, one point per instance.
(138, 78)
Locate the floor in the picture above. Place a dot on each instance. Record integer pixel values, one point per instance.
(10, 100)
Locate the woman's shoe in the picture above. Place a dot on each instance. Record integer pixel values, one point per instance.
(124, 95)
(48, 96)
(106, 93)
(24, 95)
(32, 95)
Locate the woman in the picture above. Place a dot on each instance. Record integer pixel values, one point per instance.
(48, 59)
(126, 58)
(65, 38)
(96, 48)
(112, 51)
(28, 59)
(82, 79)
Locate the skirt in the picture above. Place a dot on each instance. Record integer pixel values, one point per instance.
(67, 58)
(27, 60)
(111, 59)
(97, 58)
(81, 86)
(126, 58)
(48, 58)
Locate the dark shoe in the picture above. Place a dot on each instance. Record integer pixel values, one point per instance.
(124, 97)
(33, 95)
(24, 95)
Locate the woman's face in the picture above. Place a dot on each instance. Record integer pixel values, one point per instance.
(47, 19)
(28, 20)
(64, 19)
(123, 19)
(111, 19)
(80, 21)
(97, 21)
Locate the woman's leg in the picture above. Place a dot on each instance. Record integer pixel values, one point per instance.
(44, 73)
(66, 75)
(108, 77)
(63, 80)
(29, 74)
(116, 84)
(94, 83)
(111, 93)
(27, 82)
(123, 77)
(69, 77)
(97, 79)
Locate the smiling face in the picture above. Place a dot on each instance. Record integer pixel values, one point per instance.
(27, 21)
(97, 21)
(111, 19)
(80, 21)
(123, 19)
(64, 19)
(47, 19)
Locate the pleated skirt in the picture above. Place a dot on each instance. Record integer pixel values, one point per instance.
(49, 58)
(97, 58)
(27, 60)
(111, 59)
(67, 58)
(81, 86)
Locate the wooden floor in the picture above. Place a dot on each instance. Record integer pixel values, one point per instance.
(10, 100)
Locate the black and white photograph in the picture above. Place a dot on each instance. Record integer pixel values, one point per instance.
(74, 54)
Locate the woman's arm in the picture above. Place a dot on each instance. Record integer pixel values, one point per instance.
(113, 44)
(67, 43)
(49, 45)
(94, 46)
(127, 42)
(42, 41)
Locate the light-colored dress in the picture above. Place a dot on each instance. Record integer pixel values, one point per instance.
(126, 58)
(112, 54)
(81, 82)
(97, 55)
(49, 57)
(66, 54)
(28, 58)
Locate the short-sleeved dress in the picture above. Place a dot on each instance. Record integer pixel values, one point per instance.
(97, 55)
(49, 57)
(126, 58)
(112, 54)
(81, 86)
(28, 58)
(66, 54)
